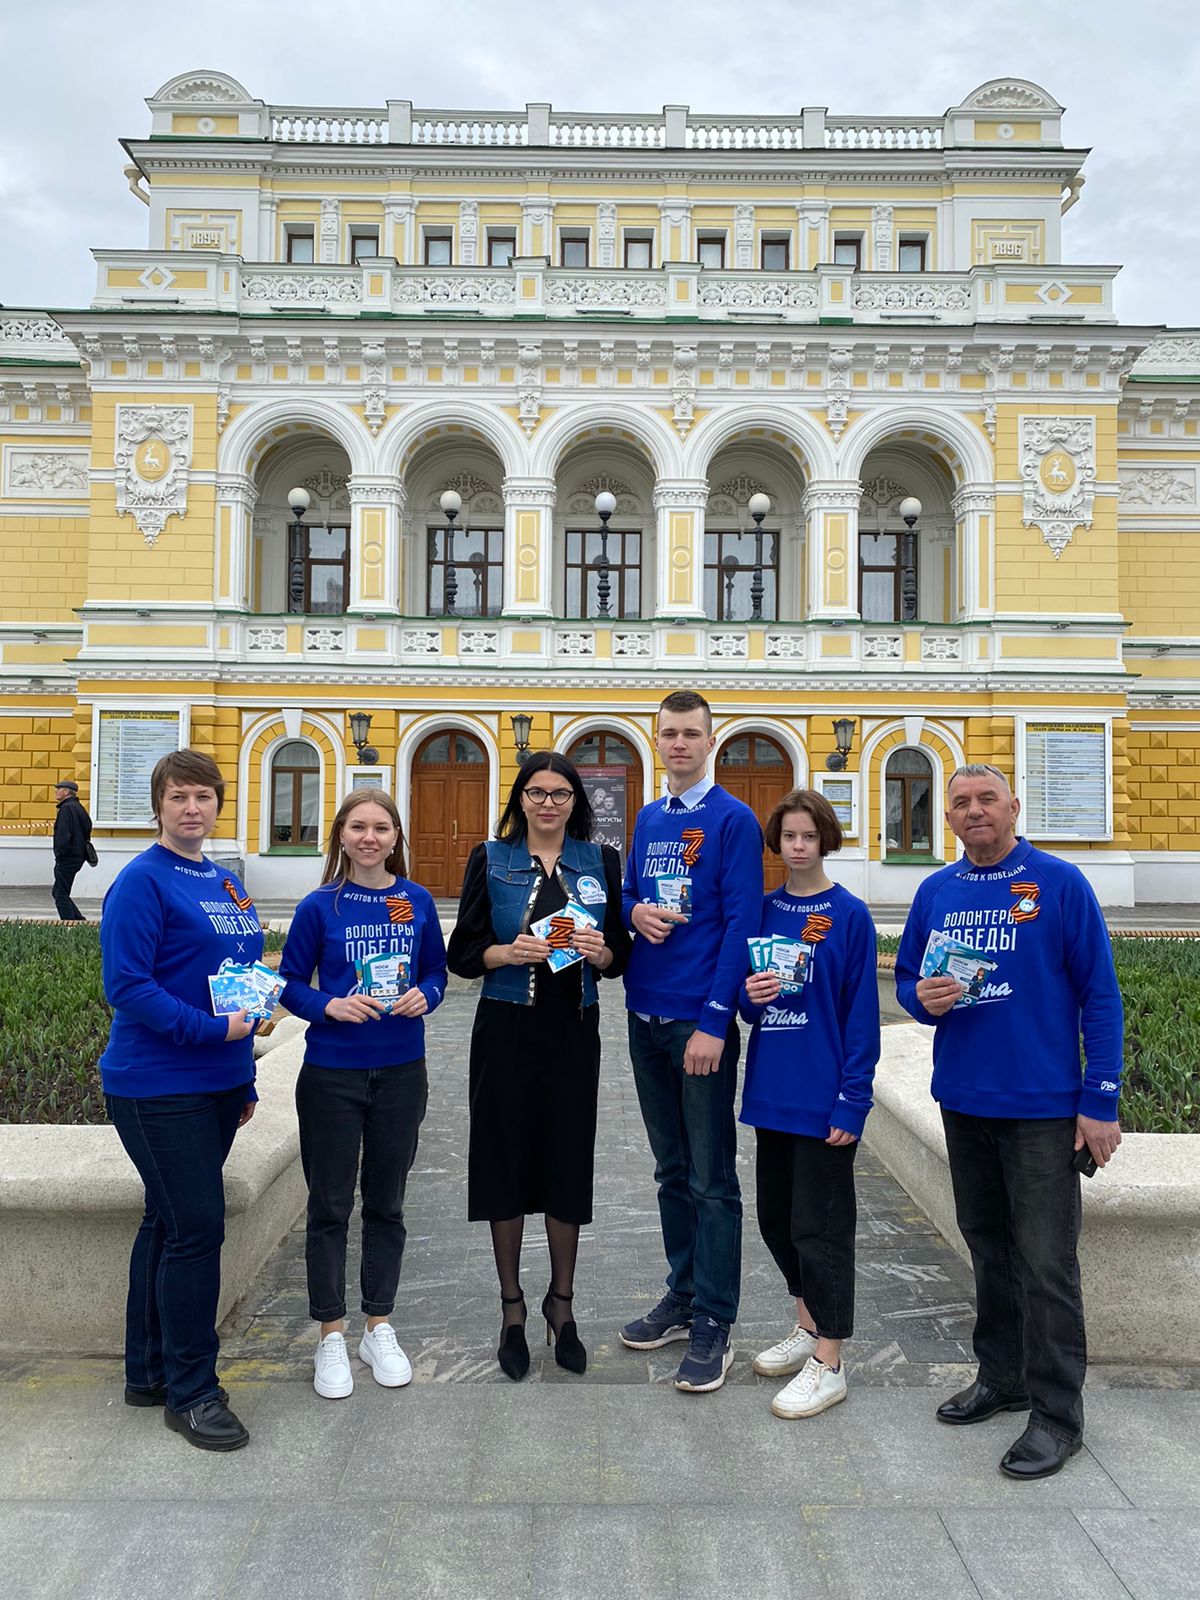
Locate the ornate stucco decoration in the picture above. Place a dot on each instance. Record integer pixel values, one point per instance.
(1158, 486)
(152, 456)
(1058, 469)
(36, 472)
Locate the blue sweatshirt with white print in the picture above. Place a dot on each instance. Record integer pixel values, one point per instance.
(333, 927)
(695, 974)
(812, 1055)
(166, 926)
(1015, 1051)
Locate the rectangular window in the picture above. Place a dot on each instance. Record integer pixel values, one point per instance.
(912, 254)
(572, 249)
(624, 573)
(502, 247)
(847, 250)
(478, 572)
(298, 245)
(321, 581)
(639, 250)
(776, 252)
(364, 243)
(729, 575)
(710, 250)
(439, 247)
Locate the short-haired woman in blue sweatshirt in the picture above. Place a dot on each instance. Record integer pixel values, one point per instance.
(363, 1084)
(807, 1093)
(178, 1084)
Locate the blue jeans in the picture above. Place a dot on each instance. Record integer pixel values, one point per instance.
(690, 1124)
(1018, 1205)
(178, 1143)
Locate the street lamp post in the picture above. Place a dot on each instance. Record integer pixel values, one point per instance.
(759, 505)
(910, 510)
(606, 504)
(299, 501)
(451, 504)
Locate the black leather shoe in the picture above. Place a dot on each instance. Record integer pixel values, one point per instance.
(980, 1401)
(209, 1426)
(156, 1396)
(513, 1354)
(1038, 1454)
(568, 1348)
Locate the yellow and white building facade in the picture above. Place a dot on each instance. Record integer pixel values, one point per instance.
(392, 308)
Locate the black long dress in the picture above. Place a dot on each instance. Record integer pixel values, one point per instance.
(535, 1070)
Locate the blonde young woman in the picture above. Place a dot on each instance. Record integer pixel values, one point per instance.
(363, 1084)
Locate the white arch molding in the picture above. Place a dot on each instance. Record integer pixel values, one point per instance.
(248, 429)
(573, 425)
(613, 723)
(284, 736)
(728, 425)
(415, 735)
(402, 433)
(869, 747)
(885, 424)
(781, 732)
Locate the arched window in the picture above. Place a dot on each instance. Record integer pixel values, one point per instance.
(611, 771)
(908, 804)
(295, 794)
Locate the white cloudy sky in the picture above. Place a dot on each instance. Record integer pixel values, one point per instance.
(76, 73)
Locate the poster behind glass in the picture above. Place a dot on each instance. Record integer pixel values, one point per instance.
(605, 788)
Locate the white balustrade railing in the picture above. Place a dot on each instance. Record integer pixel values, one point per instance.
(674, 128)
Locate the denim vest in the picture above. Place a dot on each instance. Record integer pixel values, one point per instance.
(513, 883)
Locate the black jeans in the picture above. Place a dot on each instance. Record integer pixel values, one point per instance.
(807, 1212)
(178, 1143)
(342, 1110)
(1018, 1205)
(65, 873)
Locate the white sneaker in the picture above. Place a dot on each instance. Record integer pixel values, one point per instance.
(815, 1388)
(388, 1363)
(333, 1379)
(789, 1355)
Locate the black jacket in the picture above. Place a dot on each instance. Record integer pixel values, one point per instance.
(72, 830)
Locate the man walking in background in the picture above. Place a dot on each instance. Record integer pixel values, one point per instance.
(1006, 953)
(72, 837)
(693, 896)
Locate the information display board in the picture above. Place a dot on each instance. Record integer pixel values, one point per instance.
(1066, 781)
(129, 743)
(840, 790)
(605, 788)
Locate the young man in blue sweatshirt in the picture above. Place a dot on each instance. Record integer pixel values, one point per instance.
(702, 848)
(1017, 1110)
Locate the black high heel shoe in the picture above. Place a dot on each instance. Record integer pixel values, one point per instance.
(568, 1351)
(513, 1354)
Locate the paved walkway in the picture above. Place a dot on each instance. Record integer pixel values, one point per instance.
(613, 1484)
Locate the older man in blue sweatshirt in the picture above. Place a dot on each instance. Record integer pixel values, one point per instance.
(1021, 1117)
(693, 895)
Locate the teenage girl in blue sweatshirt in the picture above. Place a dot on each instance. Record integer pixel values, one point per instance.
(363, 1084)
(807, 1093)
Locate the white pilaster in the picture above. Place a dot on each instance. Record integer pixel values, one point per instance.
(376, 508)
(679, 508)
(830, 508)
(974, 508)
(528, 546)
(236, 499)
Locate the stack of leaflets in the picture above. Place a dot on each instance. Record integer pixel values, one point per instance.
(947, 957)
(558, 930)
(254, 989)
(785, 959)
(673, 892)
(383, 977)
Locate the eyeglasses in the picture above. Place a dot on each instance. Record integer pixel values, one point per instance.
(557, 797)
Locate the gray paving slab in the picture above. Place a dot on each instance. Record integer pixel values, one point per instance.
(1149, 1444)
(1031, 1555)
(744, 1553)
(905, 1555)
(330, 1550)
(605, 1553)
(1155, 1555)
(460, 1553)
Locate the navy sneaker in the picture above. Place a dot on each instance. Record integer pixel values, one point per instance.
(671, 1319)
(707, 1361)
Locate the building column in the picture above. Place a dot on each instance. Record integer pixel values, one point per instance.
(537, 226)
(974, 508)
(376, 507)
(236, 499)
(679, 508)
(529, 547)
(830, 509)
(398, 242)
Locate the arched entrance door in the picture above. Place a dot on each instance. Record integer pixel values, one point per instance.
(611, 771)
(448, 817)
(758, 772)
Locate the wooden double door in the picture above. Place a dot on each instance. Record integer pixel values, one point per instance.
(758, 772)
(449, 812)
